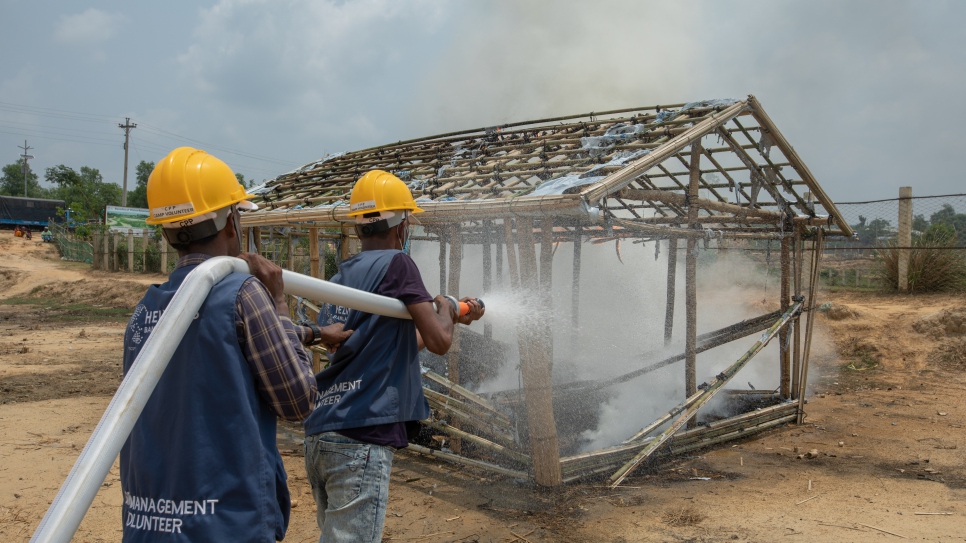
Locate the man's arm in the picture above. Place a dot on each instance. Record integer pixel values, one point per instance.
(270, 343)
(434, 327)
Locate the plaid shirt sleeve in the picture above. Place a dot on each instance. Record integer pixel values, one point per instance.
(273, 348)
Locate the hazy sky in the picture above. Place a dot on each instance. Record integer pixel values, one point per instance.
(868, 92)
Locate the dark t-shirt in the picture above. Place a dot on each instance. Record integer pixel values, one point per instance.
(402, 282)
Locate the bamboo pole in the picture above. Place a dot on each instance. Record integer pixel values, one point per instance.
(705, 396)
(443, 237)
(487, 272)
(453, 288)
(546, 259)
(457, 459)
(575, 287)
(672, 264)
(314, 251)
(117, 257)
(740, 212)
(344, 249)
(797, 327)
(810, 320)
(536, 369)
(785, 370)
(511, 254)
(472, 397)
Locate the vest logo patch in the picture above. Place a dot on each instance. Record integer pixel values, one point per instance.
(160, 515)
(334, 393)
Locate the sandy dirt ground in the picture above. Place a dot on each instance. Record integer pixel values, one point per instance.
(886, 418)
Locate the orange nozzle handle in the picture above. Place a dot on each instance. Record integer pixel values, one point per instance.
(465, 307)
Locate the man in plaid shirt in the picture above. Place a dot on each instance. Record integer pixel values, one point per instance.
(201, 462)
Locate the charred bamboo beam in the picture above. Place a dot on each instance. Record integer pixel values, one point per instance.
(733, 427)
(457, 459)
(664, 232)
(481, 442)
(490, 431)
(486, 416)
(713, 387)
(472, 397)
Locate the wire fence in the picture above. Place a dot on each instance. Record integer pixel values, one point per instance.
(868, 260)
(71, 248)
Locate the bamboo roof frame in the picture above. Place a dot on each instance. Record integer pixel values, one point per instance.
(634, 162)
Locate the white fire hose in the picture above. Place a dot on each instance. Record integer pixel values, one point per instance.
(77, 493)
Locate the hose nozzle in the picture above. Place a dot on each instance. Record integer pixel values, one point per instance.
(462, 307)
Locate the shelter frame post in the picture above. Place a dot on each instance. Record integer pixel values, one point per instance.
(691, 287)
(784, 358)
(575, 290)
(536, 368)
(314, 251)
(672, 265)
(487, 271)
(797, 260)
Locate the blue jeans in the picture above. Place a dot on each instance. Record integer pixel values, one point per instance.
(350, 484)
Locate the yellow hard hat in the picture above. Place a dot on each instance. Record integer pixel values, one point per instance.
(379, 191)
(190, 183)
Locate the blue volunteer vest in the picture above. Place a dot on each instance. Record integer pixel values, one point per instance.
(374, 376)
(201, 463)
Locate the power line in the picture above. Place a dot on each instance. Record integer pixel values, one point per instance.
(98, 118)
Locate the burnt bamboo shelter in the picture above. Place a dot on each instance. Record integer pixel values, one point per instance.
(686, 173)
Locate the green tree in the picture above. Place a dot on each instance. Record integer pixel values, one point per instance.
(11, 184)
(241, 180)
(85, 192)
(919, 223)
(948, 216)
(139, 196)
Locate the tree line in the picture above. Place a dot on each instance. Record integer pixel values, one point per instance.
(83, 191)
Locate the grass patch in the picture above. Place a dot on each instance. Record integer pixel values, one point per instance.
(54, 310)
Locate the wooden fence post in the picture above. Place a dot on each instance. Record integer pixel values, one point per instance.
(130, 250)
(145, 241)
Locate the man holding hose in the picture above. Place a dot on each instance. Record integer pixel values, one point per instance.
(371, 396)
(201, 462)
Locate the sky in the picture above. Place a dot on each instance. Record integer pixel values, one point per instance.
(867, 92)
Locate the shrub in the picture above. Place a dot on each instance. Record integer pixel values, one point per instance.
(934, 264)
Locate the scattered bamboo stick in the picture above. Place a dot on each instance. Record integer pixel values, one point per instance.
(420, 536)
(808, 499)
(933, 513)
(881, 530)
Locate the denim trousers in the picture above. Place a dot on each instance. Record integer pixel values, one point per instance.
(350, 484)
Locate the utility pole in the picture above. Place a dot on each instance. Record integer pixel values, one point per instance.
(127, 126)
(24, 167)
